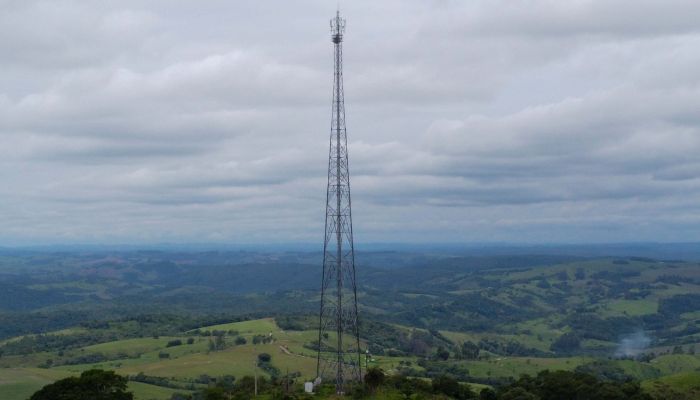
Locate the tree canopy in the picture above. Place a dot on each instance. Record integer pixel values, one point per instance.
(94, 384)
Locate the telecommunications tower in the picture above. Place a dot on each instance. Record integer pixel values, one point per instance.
(338, 332)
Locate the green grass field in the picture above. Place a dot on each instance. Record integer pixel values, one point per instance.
(536, 340)
(683, 386)
(516, 366)
(630, 307)
(20, 383)
(187, 362)
(253, 327)
(676, 363)
(143, 391)
(129, 346)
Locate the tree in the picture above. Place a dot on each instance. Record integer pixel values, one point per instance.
(566, 343)
(226, 382)
(374, 378)
(264, 357)
(517, 393)
(604, 370)
(470, 350)
(449, 386)
(220, 342)
(442, 354)
(446, 385)
(558, 385)
(215, 393)
(94, 384)
(487, 394)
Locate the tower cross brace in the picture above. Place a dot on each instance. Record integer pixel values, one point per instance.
(338, 333)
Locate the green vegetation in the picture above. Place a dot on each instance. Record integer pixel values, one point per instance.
(183, 323)
(20, 383)
(683, 386)
(192, 367)
(93, 384)
(546, 385)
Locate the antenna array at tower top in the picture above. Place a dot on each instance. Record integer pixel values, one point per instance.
(337, 28)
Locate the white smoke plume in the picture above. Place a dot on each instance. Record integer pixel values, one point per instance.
(632, 345)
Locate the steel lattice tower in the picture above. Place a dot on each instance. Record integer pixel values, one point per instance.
(338, 333)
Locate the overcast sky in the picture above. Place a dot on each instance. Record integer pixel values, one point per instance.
(468, 121)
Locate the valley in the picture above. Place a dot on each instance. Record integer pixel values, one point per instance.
(177, 323)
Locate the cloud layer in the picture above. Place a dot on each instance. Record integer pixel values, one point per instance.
(543, 121)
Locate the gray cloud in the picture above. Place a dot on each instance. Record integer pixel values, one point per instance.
(468, 121)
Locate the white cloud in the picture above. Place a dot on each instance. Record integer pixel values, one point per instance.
(473, 121)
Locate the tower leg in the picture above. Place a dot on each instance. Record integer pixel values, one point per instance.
(339, 356)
